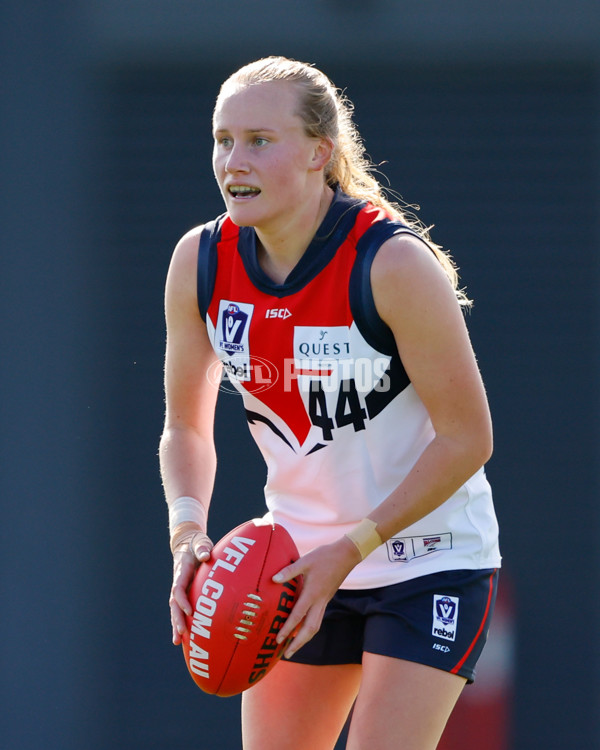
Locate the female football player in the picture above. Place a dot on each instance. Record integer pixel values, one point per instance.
(375, 428)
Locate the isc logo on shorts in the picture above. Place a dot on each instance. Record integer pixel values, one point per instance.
(445, 616)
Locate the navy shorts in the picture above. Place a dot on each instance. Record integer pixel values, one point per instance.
(441, 620)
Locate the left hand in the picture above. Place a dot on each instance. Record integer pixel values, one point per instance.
(323, 570)
(191, 549)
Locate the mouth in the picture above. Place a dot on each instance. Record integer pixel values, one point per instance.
(243, 192)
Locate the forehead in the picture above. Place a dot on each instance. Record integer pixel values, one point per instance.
(261, 105)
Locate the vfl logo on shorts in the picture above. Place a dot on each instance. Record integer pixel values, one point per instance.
(445, 616)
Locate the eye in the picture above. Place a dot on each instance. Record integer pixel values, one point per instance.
(260, 141)
(224, 141)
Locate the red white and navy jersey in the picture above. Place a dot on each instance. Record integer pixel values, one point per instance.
(326, 395)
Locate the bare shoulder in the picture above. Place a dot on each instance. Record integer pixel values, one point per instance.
(405, 259)
(185, 253)
(407, 271)
(181, 277)
(189, 352)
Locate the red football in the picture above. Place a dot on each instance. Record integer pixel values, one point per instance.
(230, 641)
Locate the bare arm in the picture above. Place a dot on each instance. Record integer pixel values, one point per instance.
(187, 451)
(414, 298)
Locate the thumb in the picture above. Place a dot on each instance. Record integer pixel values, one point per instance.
(201, 545)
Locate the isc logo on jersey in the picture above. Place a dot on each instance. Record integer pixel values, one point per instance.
(278, 312)
(445, 616)
(233, 326)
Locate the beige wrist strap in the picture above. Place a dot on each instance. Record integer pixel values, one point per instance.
(191, 541)
(365, 537)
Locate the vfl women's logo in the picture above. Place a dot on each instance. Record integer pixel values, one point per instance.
(445, 616)
(232, 337)
(234, 323)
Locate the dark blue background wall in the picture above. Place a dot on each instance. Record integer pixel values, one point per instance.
(105, 163)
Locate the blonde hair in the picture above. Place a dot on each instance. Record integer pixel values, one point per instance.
(327, 113)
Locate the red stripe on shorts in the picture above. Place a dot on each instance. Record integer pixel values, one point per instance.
(456, 669)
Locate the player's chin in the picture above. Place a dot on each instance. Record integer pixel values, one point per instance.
(244, 214)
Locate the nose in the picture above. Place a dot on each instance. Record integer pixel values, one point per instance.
(236, 159)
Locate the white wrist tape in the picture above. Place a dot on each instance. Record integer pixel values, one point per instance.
(184, 509)
(365, 537)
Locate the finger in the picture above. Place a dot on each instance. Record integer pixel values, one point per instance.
(179, 594)
(179, 597)
(287, 573)
(202, 553)
(178, 632)
(309, 628)
(294, 620)
(178, 623)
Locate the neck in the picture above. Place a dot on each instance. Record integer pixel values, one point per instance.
(279, 251)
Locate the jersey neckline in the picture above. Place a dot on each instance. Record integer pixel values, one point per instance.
(330, 235)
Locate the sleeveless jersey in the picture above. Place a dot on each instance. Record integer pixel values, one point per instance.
(327, 398)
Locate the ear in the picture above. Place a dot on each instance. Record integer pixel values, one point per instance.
(321, 154)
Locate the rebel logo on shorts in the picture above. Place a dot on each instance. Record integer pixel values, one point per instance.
(445, 616)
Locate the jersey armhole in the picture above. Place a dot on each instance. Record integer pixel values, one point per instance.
(207, 265)
(373, 329)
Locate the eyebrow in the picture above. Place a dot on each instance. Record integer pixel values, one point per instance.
(248, 130)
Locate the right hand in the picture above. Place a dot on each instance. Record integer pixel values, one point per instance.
(190, 552)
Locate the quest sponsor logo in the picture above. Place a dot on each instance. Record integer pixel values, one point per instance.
(316, 343)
